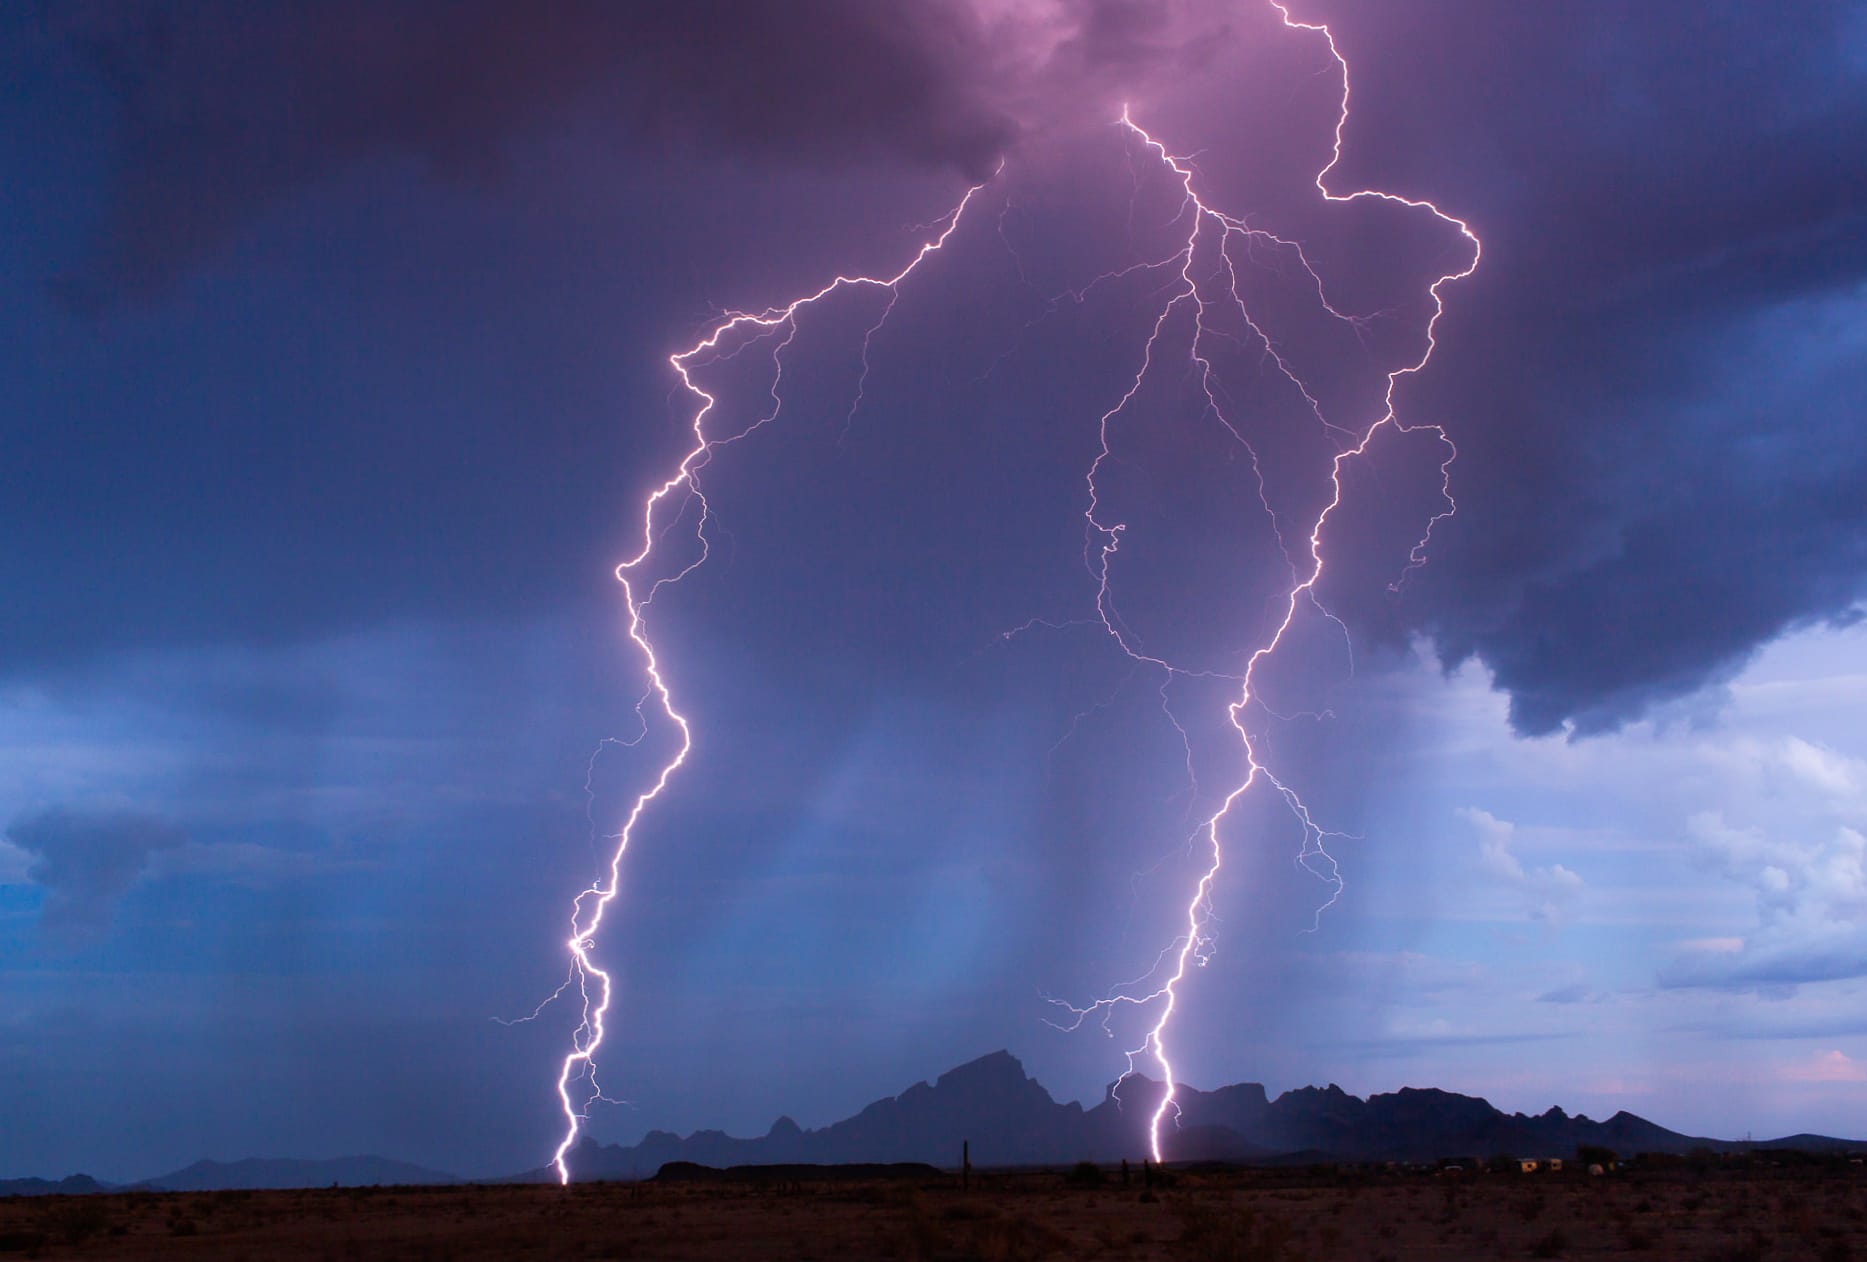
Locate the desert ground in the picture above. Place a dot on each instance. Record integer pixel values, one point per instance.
(1706, 1215)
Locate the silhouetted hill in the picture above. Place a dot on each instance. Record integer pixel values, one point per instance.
(1010, 1120)
(1809, 1143)
(70, 1185)
(260, 1172)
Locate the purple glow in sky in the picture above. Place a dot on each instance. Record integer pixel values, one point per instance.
(337, 337)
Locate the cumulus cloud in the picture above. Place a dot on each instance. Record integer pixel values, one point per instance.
(1822, 769)
(86, 860)
(1494, 838)
(1810, 878)
(1552, 887)
(1802, 851)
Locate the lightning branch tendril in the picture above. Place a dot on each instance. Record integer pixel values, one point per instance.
(1209, 232)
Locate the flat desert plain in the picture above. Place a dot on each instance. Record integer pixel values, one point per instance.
(1713, 1215)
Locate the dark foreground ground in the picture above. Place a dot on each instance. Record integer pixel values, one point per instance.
(1718, 1215)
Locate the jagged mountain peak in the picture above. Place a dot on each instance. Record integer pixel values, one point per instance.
(995, 1069)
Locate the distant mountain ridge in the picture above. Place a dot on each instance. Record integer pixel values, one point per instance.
(70, 1185)
(290, 1172)
(1008, 1119)
(253, 1173)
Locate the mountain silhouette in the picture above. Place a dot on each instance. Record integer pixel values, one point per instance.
(1008, 1119)
(70, 1185)
(262, 1172)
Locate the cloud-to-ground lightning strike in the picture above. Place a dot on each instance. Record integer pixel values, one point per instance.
(1192, 945)
(1210, 233)
(587, 909)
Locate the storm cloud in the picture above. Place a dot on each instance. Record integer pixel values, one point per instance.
(1656, 381)
(226, 108)
(1651, 484)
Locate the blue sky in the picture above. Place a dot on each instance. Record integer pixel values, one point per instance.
(336, 346)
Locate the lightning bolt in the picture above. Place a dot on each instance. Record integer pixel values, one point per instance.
(671, 500)
(1209, 232)
(1192, 946)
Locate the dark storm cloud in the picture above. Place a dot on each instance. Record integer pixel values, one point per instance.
(227, 107)
(87, 859)
(1653, 481)
(434, 253)
(1652, 382)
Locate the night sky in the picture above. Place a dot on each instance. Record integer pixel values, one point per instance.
(335, 340)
